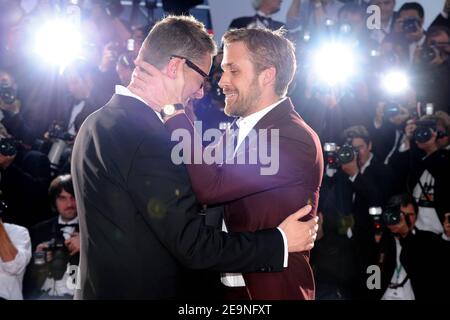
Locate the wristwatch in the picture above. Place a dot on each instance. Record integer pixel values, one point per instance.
(169, 109)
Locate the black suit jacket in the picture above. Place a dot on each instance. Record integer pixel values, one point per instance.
(244, 22)
(138, 215)
(424, 256)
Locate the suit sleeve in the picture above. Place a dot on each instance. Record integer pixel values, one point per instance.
(217, 183)
(164, 198)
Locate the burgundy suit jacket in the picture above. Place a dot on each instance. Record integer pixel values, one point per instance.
(254, 201)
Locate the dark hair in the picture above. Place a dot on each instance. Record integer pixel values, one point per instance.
(58, 185)
(353, 8)
(402, 200)
(413, 6)
(357, 132)
(437, 30)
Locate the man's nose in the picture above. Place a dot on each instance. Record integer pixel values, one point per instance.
(224, 80)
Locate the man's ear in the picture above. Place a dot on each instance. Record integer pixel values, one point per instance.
(171, 68)
(268, 76)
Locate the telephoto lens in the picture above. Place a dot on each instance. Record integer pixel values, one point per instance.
(7, 93)
(391, 216)
(346, 154)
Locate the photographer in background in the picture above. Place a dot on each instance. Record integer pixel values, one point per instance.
(80, 77)
(409, 24)
(11, 109)
(56, 245)
(15, 253)
(24, 179)
(361, 182)
(425, 154)
(413, 262)
(432, 69)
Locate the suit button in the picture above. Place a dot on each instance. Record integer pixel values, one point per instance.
(263, 269)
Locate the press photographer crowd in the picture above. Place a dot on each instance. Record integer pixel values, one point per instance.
(377, 96)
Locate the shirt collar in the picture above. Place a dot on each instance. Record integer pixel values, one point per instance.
(124, 91)
(251, 120)
(262, 14)
(73, 221)
(364, 167)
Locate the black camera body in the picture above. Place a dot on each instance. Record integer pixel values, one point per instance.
(8, 147)
(391, 109)
(410, 25)
(388, 217)
(336, 156)
(425, 129)
(58, 265)
(428, 54)
(391, 216)
(7, 93)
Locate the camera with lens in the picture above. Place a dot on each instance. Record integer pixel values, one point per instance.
(8, 147)
(60, 146)
(60, 255)
(336, 156)
(410, 25)
(424, 131)
(388, 217)
(375, 213)
(391, 216)
(391, 109)
(7, 93)
(429, 53)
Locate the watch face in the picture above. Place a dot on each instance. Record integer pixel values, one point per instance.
(169, 109)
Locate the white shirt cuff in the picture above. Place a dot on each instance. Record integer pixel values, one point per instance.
(286, 251)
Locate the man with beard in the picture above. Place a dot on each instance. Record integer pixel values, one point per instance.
(139, 220)
(258, 66)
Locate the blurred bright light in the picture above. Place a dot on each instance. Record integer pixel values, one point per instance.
(58, 43)
(335, 63)
(395, 82)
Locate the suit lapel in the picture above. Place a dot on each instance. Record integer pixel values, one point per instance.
(271, 120)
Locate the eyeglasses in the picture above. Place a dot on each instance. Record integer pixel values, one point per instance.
(193, 66)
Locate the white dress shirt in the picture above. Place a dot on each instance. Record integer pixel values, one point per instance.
(404, 292)
(11, 272)
(124, 91)
(245, 126)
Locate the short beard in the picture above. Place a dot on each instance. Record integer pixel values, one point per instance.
(242, 108)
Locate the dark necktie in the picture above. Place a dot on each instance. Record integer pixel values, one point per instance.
(72, 225)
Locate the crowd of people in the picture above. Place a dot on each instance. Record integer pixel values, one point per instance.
(384, 193)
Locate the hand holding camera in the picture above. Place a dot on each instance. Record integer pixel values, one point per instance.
(447, 224)
(73, 244)
(351, 168)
